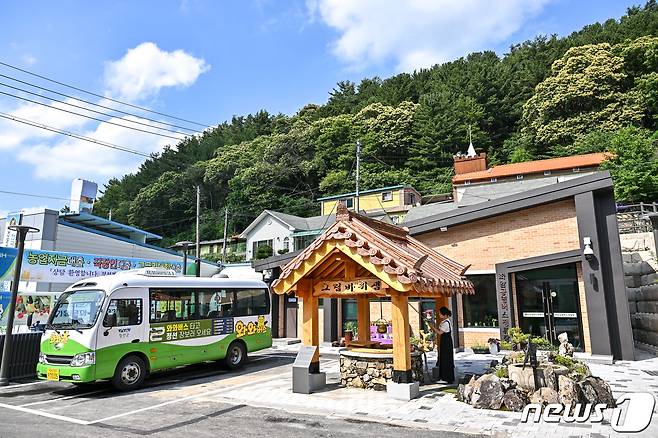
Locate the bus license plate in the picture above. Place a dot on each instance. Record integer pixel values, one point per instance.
(52, 374)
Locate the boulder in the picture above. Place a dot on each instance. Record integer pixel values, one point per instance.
(545, 396)
(596, 390)
(488, 393)
(465, 391)
(569, 392)
(515, 400)
(507, 384)
(357, 383)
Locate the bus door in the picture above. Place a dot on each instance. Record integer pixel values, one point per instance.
(125, 321)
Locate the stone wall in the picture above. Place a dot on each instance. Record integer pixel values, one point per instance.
(373, 371)
(641, 277)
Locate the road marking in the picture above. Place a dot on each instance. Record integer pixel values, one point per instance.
(45, 414)
(189, 397)
(63, 398)
(21, 385)
(148, 408)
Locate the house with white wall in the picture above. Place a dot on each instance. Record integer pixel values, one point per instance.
(283, 232)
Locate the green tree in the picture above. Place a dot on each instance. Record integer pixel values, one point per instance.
(586, 92)
(633, 164)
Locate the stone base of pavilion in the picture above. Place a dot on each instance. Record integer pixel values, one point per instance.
(371, 368)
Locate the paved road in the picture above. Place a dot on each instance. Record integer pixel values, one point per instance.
(177, 403)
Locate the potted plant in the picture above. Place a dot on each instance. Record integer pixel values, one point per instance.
(348, 330)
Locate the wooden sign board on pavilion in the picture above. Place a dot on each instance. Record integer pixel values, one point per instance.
(373, 286)
(364, 258)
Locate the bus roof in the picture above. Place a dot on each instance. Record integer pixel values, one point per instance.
(140, 278)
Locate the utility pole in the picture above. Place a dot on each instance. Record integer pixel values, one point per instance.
(358, 166)
(225, 229)
(21, 231)
(198, 231)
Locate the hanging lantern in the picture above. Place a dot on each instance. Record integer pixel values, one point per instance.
(382, 326)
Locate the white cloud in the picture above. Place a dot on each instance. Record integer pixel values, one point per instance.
(145, 69)
(29, 59)
(418, 33)
(71, 158)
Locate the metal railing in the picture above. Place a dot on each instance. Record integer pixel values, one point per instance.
(633, 218)
(25, 354)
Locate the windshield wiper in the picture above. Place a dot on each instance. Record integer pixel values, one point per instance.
(52, 327)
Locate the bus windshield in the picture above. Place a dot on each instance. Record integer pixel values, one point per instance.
(77, 309)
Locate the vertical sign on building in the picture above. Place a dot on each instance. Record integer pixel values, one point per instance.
(9, 239)
(10, 236)
(504, 312)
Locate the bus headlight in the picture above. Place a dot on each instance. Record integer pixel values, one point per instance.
(83, 359)
(42, 358)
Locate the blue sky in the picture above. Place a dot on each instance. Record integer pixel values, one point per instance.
(208, 60)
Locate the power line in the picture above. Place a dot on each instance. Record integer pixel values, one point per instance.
(91, 103)
(89, 117)
(87, 109)
(32, 195)
(100, 96)
(71, 134)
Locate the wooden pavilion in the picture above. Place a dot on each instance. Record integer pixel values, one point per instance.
(362, 258)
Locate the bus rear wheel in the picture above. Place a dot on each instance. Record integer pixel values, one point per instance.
(235, 355)
(130, 373)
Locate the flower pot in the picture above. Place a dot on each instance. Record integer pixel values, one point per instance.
(348, 335)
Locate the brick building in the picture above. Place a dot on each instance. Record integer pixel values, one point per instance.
(547, 260)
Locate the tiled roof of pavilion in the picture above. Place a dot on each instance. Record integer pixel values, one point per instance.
(408, 260)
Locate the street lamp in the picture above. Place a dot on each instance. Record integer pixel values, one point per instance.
(22, 231)
(185, 244)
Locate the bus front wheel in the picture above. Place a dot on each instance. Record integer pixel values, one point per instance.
(235, 355)
(130, 373)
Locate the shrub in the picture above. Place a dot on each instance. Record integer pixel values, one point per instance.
(501, 372)
(505, 345)
(543, 344)
(517, 336)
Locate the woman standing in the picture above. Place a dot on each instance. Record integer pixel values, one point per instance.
(446, 353)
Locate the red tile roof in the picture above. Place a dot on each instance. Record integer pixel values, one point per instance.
(389, 246)
(539, 166)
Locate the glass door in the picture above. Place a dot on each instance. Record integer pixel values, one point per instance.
(549, 304)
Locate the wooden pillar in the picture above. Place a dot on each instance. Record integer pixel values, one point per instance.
(310, 332)
(401, 343)
(363, 316)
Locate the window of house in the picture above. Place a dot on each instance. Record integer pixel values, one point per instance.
(349, 202)
(576, 169)
(519, 176)
(127, 311)
(467, 183)
(302, 242)
(387, 196)
(412, 198)
(547, 172)
(494, 179)
(286, 243)
(262, 244)
(481, 309)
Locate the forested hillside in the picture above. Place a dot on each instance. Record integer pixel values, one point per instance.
(596, 89)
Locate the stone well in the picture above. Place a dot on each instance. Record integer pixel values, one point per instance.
(373, 370)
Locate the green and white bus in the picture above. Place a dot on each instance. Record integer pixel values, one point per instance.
(122, 327)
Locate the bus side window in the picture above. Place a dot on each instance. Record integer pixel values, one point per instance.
(252, 302)
(128, 312)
